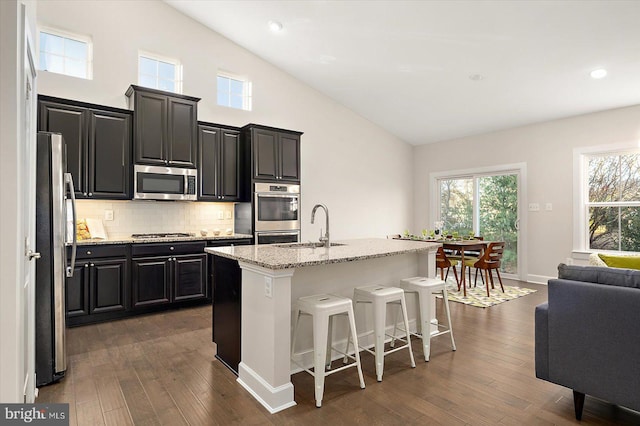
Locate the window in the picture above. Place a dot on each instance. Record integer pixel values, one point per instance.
(484, 202)
(64, 53)
(159, 73)
(612, 207)
(234, 92)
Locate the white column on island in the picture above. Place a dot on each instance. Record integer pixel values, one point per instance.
(264, 369)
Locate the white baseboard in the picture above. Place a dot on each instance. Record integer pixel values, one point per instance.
(538, 279)
(273, 399)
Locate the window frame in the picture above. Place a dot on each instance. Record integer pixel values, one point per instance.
(70, 36)
(178, 81)
(247, 89)
(581, 201)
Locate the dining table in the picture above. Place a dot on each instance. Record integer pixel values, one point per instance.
(459, 246)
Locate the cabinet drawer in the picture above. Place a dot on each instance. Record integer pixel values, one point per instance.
(230, 242)
(91, 251)
(167, 248)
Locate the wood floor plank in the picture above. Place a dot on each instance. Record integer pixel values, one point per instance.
(160, 369)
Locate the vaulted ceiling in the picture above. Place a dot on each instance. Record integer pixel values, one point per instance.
(430, 71)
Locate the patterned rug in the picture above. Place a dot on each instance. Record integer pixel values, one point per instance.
(477, 296)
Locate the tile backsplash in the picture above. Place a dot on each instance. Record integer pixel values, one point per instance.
(141, 217)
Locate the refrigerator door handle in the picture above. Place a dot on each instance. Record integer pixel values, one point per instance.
(68, 180)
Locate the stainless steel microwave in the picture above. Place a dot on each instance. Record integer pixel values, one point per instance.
(164, 183)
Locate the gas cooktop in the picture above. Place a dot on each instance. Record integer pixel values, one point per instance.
(162, 235)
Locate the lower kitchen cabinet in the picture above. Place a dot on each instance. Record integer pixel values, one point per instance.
(99, 287)
(178, 274)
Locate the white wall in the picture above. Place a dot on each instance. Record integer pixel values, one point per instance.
(547, 149)
(362, 173)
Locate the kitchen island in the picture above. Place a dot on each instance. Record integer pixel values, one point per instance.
(274, 276)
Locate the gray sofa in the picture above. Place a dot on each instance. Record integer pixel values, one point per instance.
(587, 336)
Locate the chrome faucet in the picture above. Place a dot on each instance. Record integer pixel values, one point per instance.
(323, 239)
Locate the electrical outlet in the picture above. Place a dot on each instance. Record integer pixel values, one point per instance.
(268, 287)
(534, 207)
(227, 214)
(220, 214)
(108, 215)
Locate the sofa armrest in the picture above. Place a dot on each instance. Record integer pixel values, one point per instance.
(594, 340)
(542, 341)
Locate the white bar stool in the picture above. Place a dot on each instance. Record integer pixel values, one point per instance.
(322, 307)
(378, 296)
(426, 289)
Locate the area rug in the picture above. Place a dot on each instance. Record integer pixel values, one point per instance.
(477, 296)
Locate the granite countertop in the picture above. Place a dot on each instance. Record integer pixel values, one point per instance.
(275, 256)
(130, 240)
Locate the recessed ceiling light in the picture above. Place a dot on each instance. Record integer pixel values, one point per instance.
(476, 77)
(599, 73)
(275, 26)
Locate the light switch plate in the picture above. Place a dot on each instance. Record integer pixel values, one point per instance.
(108, 215)
(220, 214)
(548, 207)
(534, 207)
(227, 214)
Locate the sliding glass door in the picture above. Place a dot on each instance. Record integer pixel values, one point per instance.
(483, 205)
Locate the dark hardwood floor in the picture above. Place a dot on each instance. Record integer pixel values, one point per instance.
(160, 370)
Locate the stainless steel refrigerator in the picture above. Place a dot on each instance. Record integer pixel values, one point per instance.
(55, 230)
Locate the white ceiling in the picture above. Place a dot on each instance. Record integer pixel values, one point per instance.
(405, 65)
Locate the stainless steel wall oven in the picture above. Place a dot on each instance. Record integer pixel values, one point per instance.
(276, 212)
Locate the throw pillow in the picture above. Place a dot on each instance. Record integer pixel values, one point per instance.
(616, 261)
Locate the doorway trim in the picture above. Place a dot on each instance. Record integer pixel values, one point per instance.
(518, 168)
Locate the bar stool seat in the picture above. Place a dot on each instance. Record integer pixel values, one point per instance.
(323, 307)
(378, 296)
(426, 289)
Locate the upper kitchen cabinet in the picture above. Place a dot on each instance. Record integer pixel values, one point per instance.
(165, 127)
(275, 153)
(219, 162)
(97, 143)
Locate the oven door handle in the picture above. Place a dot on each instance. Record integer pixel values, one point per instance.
(276, 195)
(276, 234)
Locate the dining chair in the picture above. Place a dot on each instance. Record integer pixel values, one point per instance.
(442, 262)
(489, 261)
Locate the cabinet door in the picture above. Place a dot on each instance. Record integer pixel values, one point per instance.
(229, 162)
(150, 281)
(209, 162)
(77, 291)
(108, 285)
(289, 156)
(109, 155)
(227, 280)
(70, 121)
(190, 277)
(151, 128)
(182, 133)
(264, 153)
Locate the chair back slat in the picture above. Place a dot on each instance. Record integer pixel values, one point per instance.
(492, 256)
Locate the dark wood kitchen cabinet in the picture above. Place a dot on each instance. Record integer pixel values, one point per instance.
(275, 153)
(99, 287)
(165, 127)
(164, 273)
(220, 165)
(226, 280)
(97, 144)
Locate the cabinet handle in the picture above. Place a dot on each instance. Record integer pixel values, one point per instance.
(171, 248)
(84, 193)
(88, 251)
(91, 194)
(93, 264)
(86, 265)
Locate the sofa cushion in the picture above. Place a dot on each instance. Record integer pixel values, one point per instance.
(600, 275)
(617, 261)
